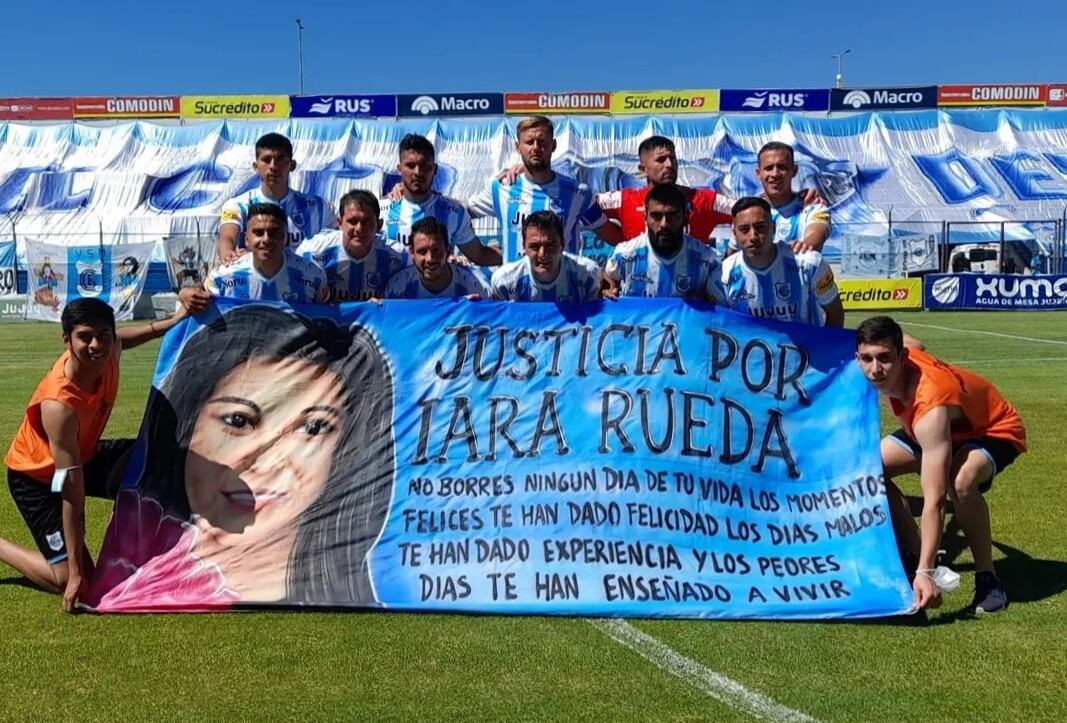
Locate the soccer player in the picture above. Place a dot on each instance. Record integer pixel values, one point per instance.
(274, 162)
(417, 168)
(664, 261)
(803, 227)
(270, 271)
(546, 273)
(432, 275)
(357, 260)
(957, 433)
(658, 160)
(57, 456)
(767, 279)
(539, 188)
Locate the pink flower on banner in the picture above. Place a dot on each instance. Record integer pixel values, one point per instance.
(148, 564)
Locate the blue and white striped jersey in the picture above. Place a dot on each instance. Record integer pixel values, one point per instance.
(692, 272)
(297, 282)
(578, 280)
(407, 284)
(349, 278)
(791, 221)
(573, 202)
(400, 216)
(792, 288)
(307, 214)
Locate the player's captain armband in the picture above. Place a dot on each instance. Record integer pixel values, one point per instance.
(821, 215)
(230, 215)
(825, 282)
(59, 478)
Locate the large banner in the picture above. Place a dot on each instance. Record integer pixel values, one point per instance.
(59, 274)
(920, 168)
(8, 278)
(996, 291)
(636, 458)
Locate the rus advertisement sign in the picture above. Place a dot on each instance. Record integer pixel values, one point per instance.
(571, 103)
(342, 106)
(450, 104)
(645, 457)
(769, 100)
(36, 109)
(235, 106)
(996, 291)
(1016, 94)
(156, 106)
(861, 294)
(909, 98)
(627, 102)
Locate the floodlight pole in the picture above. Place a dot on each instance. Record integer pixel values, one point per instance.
(300, 52)
(839, 82)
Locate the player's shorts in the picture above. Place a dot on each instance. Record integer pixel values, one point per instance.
(999, 452)
(43, 509)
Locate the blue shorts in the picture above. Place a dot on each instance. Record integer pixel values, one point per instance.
(999, 452)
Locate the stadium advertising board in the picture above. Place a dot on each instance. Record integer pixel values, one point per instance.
(858, 294)
(449, 104)
(8, 279)
(36, 109)
(580, 102)
(769, 100)
(909, 98)
(1014, 94)
(646, 457)
(13, 307)
(235, 106)
(653, 102)
(342, 106)
(996, 291)
(1057, 96)
(155, 106)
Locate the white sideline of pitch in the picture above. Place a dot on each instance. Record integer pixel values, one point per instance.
(986, 333)
(702, 678)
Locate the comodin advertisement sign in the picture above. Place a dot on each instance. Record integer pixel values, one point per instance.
(857, 294)
(154, 106)
(625, 102)
(235, 106)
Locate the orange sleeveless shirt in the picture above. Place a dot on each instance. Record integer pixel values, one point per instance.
(984, 412)
(30, 452)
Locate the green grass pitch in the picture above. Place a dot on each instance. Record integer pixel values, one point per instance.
(383, 666)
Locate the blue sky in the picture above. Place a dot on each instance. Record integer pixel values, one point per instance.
(149, 47)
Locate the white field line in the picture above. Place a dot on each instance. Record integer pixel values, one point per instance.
(996, 362)
(987, 333)
(699, 676)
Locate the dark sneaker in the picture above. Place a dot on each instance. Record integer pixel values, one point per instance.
(989, 596)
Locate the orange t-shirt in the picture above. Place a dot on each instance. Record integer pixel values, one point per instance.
(984, 412)
(30, 452)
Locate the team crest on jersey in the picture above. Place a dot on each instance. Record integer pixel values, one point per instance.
(374, 280)
(290, 297)
(683, 283)
(784, 289)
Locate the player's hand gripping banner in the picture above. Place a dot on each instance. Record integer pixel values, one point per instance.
(637, 458)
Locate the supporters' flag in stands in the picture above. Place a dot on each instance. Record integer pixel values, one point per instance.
(59, 274)
(188, 259)
(8, 280)
(638, 458)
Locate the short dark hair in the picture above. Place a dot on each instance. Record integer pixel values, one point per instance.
(87, 311)
(545, 221)
(267, 209)
(274, 142)
(880, 328)
(743, 204)
(653, 143)
(429, 226)
(776, 146)
(418, 144)
(667, 194)
(363, 200)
